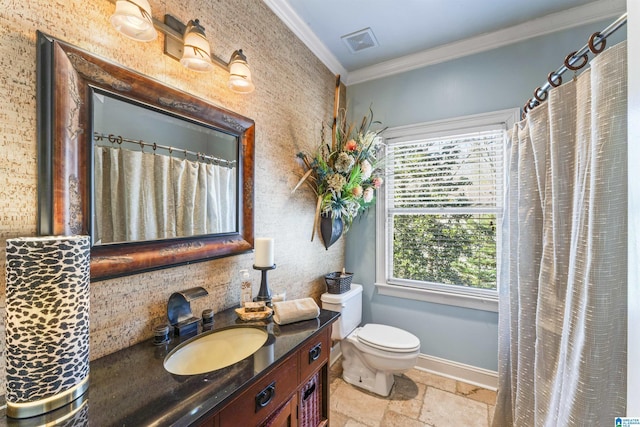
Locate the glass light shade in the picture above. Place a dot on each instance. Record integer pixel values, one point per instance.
(196, 55)
(240, 74)
(133, 19)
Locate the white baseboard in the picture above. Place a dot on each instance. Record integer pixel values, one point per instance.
(445, 368)
(458, 371)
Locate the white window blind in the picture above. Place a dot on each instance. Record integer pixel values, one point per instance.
(443, 205)
(459, 171)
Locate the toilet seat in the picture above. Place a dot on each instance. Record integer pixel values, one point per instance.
(388, 338)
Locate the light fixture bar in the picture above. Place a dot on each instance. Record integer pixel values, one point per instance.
(174, 30)
(187, 44)
(168, 30)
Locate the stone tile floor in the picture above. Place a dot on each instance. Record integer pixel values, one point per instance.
(418, 399)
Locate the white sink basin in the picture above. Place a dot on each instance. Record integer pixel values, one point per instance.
(214, 350)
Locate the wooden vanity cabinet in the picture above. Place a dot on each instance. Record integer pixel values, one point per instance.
(280, 397)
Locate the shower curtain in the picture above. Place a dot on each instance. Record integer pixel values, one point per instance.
(562, 320)
(146, 196)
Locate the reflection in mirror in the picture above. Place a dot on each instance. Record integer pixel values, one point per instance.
(157, 176)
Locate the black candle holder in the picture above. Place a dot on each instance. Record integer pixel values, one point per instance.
(264, 294)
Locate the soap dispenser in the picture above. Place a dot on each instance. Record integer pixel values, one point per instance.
(245, 287)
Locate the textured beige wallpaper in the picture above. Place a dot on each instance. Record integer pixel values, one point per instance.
(294, 94)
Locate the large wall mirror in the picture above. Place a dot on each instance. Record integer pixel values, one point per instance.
(155, 176)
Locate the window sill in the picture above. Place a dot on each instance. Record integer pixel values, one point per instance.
(484, 303)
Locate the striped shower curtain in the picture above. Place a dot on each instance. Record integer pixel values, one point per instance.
(563, 276)
(145, 196)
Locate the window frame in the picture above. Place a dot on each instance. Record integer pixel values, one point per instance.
(460, 296)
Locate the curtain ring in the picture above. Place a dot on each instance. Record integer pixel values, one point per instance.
(97, 136)
(584, 57)
(185, 154)
(170, 150)
(530, 105)
(119, 140)
(552, 75)
(542, 97)
(141, 145)
(112, 138)
(155, 146)
(592, 43)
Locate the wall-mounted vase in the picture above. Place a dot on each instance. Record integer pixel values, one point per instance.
(330, 229)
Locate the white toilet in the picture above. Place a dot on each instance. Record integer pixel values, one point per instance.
(372, 353)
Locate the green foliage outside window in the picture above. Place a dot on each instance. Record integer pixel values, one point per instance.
(449, 249)
(431, 245)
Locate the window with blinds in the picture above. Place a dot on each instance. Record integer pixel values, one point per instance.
(443, 206)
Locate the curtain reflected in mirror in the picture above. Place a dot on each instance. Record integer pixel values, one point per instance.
(157, 176)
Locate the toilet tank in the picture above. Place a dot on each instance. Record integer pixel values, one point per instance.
(349, 304)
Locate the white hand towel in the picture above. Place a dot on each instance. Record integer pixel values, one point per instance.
(295, 310)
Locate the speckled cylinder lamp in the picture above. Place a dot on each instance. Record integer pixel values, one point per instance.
(47, 323)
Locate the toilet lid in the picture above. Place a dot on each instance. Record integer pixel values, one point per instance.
(388, 338)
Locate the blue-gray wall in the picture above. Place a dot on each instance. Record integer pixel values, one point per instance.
(489, 81)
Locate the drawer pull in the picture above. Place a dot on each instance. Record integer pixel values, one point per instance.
(308, 392)
(264, 397)
(315, 352)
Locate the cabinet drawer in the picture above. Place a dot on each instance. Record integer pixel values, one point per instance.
(314, 354)
(256, 403)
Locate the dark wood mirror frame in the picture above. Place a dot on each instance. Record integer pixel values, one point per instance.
(66, 76)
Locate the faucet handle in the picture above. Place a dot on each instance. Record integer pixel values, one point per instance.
(207, 319)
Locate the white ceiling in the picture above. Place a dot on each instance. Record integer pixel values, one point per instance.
(415, 33)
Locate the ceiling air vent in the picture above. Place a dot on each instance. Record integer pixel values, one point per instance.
(360, 40)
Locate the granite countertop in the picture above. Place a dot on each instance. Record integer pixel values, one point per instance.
(132, 388)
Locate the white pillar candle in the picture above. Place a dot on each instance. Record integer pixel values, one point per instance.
(264, 252)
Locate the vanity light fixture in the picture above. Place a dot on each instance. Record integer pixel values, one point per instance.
(239, 73)
(133, 19)
(196, 53)
(185, 43)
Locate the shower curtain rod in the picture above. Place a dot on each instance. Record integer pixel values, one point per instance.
(554, 79)
(199, 156)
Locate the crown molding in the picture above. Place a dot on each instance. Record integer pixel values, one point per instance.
(283, 10)
(570, 18)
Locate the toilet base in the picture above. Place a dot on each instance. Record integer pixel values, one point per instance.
(375, 382)
(357, 373)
